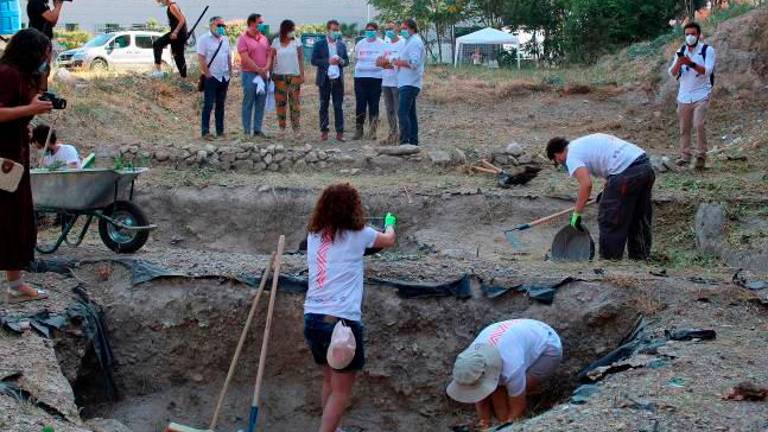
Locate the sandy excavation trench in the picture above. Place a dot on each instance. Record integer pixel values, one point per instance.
(173, 338)
(246, 220)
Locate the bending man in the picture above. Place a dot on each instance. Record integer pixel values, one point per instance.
(625, 208)
(507, 361)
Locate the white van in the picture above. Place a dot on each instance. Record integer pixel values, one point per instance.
(118, 50)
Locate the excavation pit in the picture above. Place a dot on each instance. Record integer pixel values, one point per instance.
(173, 339)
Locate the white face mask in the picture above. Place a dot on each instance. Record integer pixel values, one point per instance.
(691, 40)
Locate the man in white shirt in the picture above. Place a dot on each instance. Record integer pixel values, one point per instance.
(410, 73)
(368, 77)
(693, 66)
(213, 54)
(504, 363)
(394, 44)
(57, 154)
(626, 208)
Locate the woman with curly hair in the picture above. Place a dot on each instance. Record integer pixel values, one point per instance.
(24, 67)
(336, 243)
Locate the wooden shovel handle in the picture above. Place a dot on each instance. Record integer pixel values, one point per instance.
(241, 342)
(484, 170)
(268, 326)
(556, 215)
(491, 166)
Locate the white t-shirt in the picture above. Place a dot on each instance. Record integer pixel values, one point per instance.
(66, 155)
(602, 154)
(520, 343)
(287, 58)
(336, 273)
(392, 52)
(207, 46)
(366, 53)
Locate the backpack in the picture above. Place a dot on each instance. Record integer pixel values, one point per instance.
(703, 56)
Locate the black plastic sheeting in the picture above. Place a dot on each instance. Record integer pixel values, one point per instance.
(542, 292)
(84, 315)
(640, 341)
(9, 387)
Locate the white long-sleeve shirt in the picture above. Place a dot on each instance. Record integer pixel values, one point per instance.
(415, 54)
(694, 86)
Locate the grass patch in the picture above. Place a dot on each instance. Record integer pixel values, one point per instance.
(720, 15)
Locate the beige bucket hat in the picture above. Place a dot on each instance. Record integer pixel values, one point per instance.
(476, 373)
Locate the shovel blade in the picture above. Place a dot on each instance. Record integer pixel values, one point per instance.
(571, 244)
(512, 239)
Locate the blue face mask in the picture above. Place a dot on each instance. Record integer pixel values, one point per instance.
(389, 34)
(335, 35)
(404, 34)
(44, 68)
(263, 28)
(220, 31)
(370, 34)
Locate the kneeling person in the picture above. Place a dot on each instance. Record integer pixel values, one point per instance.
(625, 208)
(63, 155)
(505, 362)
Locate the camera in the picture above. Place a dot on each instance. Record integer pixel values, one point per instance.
(58, 103)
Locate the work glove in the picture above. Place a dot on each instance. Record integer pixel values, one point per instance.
(389, 221)
(576, 221)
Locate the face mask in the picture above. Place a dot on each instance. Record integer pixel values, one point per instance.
(691, 40)
(262, 28)
(389, 34)
(44, 68)
(370, 34)
(291, 35)
(335, 35)
(404, 34)
(220, 31)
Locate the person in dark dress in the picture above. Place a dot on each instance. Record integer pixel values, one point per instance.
(23, 68)
(176, 38)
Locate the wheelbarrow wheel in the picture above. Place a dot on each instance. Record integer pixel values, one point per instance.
(119, 239)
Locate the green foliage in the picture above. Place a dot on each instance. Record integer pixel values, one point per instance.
(732, 11)
(71, 39)
(235, 29)
(154, 25)
(310, 28)
(655, 46)
(349, 30)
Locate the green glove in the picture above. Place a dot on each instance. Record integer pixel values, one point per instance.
(389, 220)
(576, 221)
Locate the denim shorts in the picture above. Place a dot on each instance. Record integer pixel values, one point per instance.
(318, 330)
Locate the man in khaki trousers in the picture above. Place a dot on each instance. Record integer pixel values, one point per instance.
(693, 66)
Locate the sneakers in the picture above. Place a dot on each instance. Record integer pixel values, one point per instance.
(340, 137)
(323, 136)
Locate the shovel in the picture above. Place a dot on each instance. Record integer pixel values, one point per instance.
(510, 233)
(571, 244)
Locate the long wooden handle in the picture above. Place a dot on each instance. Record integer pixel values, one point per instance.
(491, 166)
(267, 329)
(555, 215)
(241, 342)
(485, 170)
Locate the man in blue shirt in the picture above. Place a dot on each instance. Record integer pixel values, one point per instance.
(330, 57)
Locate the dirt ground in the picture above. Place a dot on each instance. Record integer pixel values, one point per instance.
(172, 337)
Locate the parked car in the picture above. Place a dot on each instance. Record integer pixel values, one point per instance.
(119, 50)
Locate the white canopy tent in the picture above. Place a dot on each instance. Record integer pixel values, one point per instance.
(487, 36)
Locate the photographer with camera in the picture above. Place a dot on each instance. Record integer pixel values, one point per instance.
(23, 68)
(176, 38)
(42, 17)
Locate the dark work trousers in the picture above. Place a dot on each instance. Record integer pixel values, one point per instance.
(406, 113)
(214, 97)
(332, 89)
(626, 211)
(177, 49)
(367, 97)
